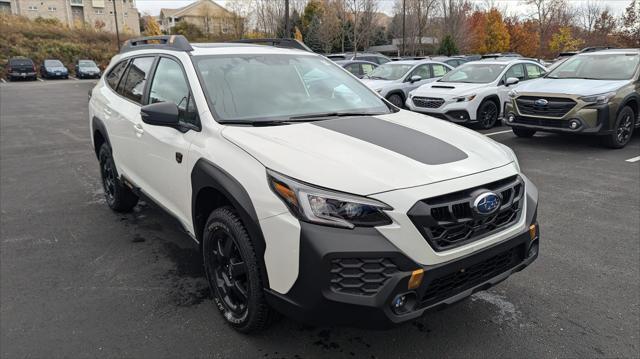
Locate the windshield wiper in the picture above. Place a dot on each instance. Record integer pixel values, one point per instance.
(376, 77)
(322, 116)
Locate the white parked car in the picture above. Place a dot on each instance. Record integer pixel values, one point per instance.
(394, 80)
(307, 193)
(474, 93)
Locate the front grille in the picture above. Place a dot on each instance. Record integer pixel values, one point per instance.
(465, 278)
(555, 107)
(360, 276)
(541, 122)
(428, 102)
(449, 221)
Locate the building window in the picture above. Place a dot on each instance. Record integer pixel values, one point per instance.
(99, 12)
(33, 8)
(52, 8)
(76, 2)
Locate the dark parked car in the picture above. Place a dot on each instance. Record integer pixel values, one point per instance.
(358, 68)
(21, 68)
(451, 61)
(87, 69)
(52, 68)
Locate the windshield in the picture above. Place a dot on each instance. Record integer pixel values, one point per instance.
(264, 87)
(390, 71)
(52, 63)
(474, 73)
(598, 67)
(87, 63)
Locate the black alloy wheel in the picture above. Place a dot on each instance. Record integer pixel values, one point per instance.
(624, 129)
(487, 115)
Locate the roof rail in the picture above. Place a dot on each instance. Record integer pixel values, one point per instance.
(285, 43)
(164, 42)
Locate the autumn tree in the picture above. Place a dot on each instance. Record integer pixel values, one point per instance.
(524, 37)
(630, 32)
(151, 27)
(563, 40)
(477, 32)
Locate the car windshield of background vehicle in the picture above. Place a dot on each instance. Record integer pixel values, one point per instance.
(87, 63)
(474, 73)
(53, 63)
(598, 67)
(276, 87)
(390, 71)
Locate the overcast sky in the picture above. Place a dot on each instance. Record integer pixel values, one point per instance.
(512, 6)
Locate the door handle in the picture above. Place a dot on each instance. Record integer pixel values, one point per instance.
(138, 128)
(107, 111)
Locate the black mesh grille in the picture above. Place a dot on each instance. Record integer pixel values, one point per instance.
(555, 106)
(449, 221)
(361, 276)
(542, 122)
(465, 278)
(428, 102)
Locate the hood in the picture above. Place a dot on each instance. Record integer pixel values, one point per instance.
(447, 89)
(376, 84)
(371, 154)
(580, 87)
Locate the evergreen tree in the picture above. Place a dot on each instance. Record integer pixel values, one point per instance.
(448, 46)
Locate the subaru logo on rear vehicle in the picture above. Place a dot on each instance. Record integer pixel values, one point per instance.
(541, 102)
(486, 203)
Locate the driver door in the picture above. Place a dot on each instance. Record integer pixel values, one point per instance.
(421, 70)
(164, 150)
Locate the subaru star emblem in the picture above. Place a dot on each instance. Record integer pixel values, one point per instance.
(486, 203)
(541, 102)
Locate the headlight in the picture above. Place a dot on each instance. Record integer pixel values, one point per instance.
(513, 94)
(599, 99)
(323, 206)
(464, 98)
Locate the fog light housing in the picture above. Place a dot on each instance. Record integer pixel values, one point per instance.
(403, 303)
(574, 124)
(533, 250)
(511, 117)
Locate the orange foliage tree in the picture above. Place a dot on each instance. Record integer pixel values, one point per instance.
(498, 38)
(525, 39)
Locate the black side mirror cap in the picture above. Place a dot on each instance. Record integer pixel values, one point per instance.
(160, 114)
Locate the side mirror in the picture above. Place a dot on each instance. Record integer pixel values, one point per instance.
(160, 114)
(415, 78)
(511, 81)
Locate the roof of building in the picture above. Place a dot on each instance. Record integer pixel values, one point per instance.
(185, 9)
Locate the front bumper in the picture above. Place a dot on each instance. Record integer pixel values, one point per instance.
(351, 277)
(457, 112)
(593, 120)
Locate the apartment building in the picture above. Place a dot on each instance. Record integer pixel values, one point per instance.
(207, 15)
(98, 14)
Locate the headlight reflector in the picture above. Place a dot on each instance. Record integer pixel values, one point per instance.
(599, 99)
(322, 206)
(464, 98)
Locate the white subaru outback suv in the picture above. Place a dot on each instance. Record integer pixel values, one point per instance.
(307, 193)
(475, 92)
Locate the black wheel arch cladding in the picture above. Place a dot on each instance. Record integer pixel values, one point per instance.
(98, 127)
(207, 175)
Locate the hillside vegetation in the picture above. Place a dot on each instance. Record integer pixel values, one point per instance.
(45, 38)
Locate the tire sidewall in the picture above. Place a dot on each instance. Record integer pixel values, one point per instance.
(481, 109)
(225, 219)
(105, 155)
(614, 137)
(397, 96)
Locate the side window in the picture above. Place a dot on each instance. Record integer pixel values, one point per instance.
(422, 71)
(534, 71)
(516, 71)
(439, 70)
(354, 69)
(170, 85)
(114, 75)
(367, 68)
(132, 86)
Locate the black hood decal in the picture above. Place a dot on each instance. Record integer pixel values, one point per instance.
(397, 138)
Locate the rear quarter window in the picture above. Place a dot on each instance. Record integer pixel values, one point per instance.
(114, 75)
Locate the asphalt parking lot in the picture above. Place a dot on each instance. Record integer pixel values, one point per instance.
(77, 280)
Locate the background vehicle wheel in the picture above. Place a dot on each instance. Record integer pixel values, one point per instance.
(487, 115)
(119, 197)
(523, 132)
(233, 272)
(396, 100)
(625, 122)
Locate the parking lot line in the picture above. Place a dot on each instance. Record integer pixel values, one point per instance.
(496, 133)
(635, 159)
(41, 80)
(3, 81)
(73, 77)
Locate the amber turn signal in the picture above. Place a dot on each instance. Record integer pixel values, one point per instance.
(533, 231)
(416, 278)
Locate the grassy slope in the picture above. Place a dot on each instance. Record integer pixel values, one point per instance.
(45, 39)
